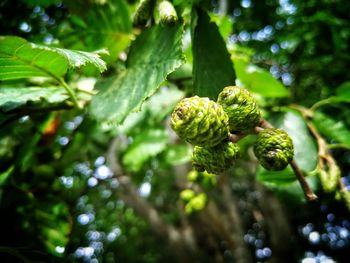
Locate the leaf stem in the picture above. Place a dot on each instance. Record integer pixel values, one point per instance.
(321, 103)
(89, 92)
(70, 92)
(309, 194)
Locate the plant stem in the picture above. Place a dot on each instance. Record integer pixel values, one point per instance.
(309, 194)
(236, 137)
(321, 103)
(70, 92)
(265, 124)
(89, 92)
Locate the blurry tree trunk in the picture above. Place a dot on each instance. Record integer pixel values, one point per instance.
(200, 238)
(281, 239)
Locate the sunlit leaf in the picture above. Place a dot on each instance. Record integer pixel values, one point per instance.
(146, 145)
(212, 65)
(332, 128)
(291, 192)
(13, 97)
(154, 54)
(343, 92)
(278, 177)
(178, 154)
(99, 25)
(5, 175)
(258, 80)
(22, 59)
(54, 226)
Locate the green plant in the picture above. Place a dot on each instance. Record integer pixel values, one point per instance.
(91, 170)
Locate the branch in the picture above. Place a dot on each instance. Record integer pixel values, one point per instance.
(179, 240)
(240, 250)
(309, 194)
(131, 197)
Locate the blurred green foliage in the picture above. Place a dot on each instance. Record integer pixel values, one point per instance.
(77, 187)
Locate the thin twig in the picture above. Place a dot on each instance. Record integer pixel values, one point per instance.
(265, 124)
(322, 103)
(236, 137)
(309, 194)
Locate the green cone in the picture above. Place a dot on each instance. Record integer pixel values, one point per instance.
(186, 195)
(274, 149)
(196, 204)
(200, 121)
(143, 12)
(241, 108)
(215, 160)
(167, 13)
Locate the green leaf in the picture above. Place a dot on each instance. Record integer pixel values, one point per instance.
(77, 59)
(146, 145)
(177, 154)
(212, 65)
(276, 177)
(54, 224)
(5, 175)
(305, 150)
(332, 128)
(343, 92)
(154, 54)
(258, 80)
(13, 97)
(291, 192)
(98, 25)
(22, 59)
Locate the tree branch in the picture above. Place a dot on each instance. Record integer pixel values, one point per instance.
(180, 242)
(309, 194)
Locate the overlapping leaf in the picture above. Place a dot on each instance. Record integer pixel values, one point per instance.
(212, 66)
(104, 24)
(13, 97)
(332, 128)
(22, 59)
(154, 54)
(258, 80)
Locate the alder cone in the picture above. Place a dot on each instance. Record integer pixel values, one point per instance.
(200, 121)
(215, 160)
(241, 108)
(274, 149)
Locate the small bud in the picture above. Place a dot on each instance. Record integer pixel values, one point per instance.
(167, 13)
(196, 204)
(186, 195)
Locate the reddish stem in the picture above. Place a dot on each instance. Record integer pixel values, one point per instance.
(309, 194)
